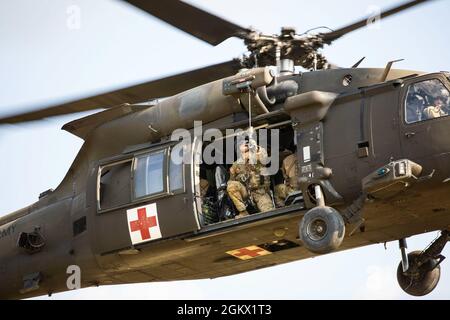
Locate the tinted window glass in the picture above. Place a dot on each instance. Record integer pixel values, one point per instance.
(148, 175)
(426, 100)
(115, 189)
(175, 174)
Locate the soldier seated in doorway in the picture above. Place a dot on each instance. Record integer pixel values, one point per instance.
(289, 168)
(248, 184)
(279, 180)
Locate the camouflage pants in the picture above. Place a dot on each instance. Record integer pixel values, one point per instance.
(204, 185)
(281, 193)
(238, 194)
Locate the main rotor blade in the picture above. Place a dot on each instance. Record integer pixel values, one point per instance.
(331, 36)
(190, 19)
(138, 93)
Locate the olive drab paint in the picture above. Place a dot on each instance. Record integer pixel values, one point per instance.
(119, 217)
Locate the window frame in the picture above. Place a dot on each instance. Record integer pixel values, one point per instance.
(165, 169)
(441, 79)
(183, 175)
(166, 150)
(101, 167)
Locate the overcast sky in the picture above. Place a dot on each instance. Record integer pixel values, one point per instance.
(43, 60)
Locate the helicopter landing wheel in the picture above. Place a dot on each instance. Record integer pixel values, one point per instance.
(418, 281)
(322, 230)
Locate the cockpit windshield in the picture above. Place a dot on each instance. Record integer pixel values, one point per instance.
(426, 100)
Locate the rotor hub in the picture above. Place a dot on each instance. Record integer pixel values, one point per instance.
(299, 50)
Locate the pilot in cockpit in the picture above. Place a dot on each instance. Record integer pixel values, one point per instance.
(437, 109)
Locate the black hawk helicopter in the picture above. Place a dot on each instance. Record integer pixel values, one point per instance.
(126, 213)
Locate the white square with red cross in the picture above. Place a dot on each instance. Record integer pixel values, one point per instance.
(143, 224)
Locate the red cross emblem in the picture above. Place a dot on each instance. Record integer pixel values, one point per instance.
(143, 223)
(248, 252)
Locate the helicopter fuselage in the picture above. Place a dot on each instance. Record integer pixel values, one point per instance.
(362, 126)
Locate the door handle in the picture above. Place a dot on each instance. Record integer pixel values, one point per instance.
(410, 134)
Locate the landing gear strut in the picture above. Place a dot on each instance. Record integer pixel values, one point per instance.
(418, 273)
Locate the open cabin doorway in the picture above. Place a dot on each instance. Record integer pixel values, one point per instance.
(214, 205)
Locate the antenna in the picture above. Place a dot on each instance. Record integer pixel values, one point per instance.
(358, 63)
(388, 68)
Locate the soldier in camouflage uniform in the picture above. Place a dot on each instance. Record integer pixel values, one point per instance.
(289, 168)
(204, 186)
(247, 181)
(278, 180)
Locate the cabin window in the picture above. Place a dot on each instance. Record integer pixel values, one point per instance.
(425, 100)
(176, 174)
(114, 188)
(149, 175)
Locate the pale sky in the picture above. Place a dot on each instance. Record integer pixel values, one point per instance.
(43, 61)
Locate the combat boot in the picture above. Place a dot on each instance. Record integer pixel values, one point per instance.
(242, 214)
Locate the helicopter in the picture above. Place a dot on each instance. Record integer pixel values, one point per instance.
(364, 185)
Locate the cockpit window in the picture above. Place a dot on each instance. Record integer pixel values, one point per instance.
(426, 100)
